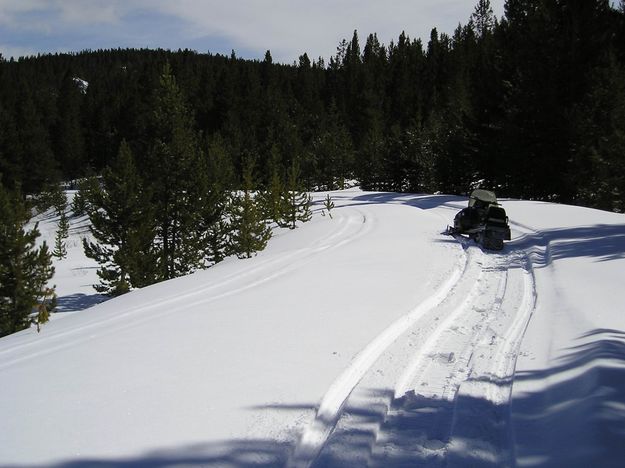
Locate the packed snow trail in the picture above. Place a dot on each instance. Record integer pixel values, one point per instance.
(335, 399)
(366, 339)
(463, 339)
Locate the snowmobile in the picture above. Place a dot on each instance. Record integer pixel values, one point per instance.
(484, 221)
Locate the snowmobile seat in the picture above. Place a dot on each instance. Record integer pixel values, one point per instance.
(496, 223)
(496, 216)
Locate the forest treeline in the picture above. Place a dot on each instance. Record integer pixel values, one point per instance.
(531, 104)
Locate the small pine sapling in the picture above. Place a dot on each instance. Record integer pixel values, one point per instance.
(59, 201)
(79, 205)
(218, 235)
(62, 233)
(328, 204)
(297, 202)
(250, 232)
(272, 196)
(88, 189)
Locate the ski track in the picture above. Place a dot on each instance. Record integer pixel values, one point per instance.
(429, 378)
(315, 436)
(352, 226)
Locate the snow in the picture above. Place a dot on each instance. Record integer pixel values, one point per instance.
(82, 84)
(76, 274)
(368, 338)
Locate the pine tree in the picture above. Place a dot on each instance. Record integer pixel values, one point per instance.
(9, 164)
(598, 163)
(334, 153)
(33, 148)
(296, 202)
(250, 233)
(272, 195)
(68, 137)
(87, 189)
(328, 204)
(177, 181)
(51, 196)
(25, 269)
(483, 19)
(122, 223)
(217, 246)
(217, 199)
(79, 204)
(62, 233)
(372, 155)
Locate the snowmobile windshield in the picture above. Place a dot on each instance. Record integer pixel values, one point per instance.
(485, 196)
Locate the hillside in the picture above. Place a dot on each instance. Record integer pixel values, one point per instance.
(365, 338)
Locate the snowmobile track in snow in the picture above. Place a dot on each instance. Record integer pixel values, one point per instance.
(462, 341)
(466, 365)
(351, 226)
(315, 436)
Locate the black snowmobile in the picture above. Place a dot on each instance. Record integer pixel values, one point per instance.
(484, 221)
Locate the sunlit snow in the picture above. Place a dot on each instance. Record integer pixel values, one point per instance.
(365, 338)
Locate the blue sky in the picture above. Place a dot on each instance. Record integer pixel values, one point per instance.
(286, 27)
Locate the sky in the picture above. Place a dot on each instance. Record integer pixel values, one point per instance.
(287, 28)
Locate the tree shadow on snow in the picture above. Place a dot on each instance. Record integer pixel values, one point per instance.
(575, 417)
(78, 301)
(601, 242)
(413, 433)
(416, 428)
(421, 201)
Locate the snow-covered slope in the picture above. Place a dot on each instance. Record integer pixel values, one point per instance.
(368, 338)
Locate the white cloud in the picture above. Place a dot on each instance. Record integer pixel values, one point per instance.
(9, 51)
(291, 27)
(79, 11)
(287, 27)
(69, 11)
(10, 8)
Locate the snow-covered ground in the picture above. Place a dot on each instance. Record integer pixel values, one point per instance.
(369, 338)
(74, 275)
